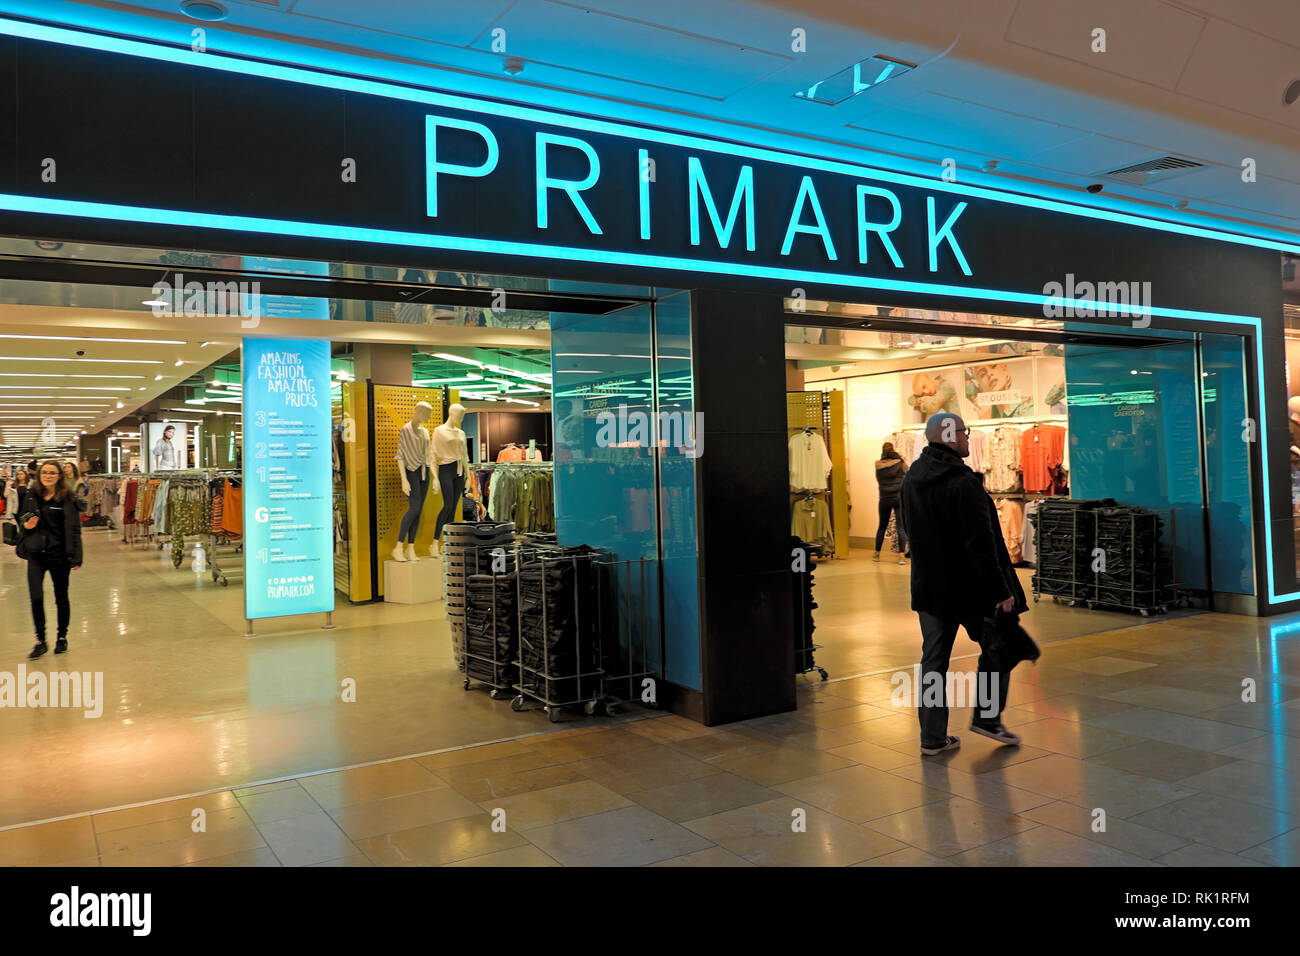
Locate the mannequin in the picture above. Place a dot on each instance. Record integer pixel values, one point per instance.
(415, 468)
(1293, 414)
(452, 458)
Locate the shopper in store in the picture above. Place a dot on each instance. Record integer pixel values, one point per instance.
(890, 469)
(14, 493)
(49, 524)
(961, 577)
(79, 486)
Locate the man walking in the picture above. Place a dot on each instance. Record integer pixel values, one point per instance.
(961, 574)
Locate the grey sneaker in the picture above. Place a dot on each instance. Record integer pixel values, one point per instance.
(996, 732)
(949, 743)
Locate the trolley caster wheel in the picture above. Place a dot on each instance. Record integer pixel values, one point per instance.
(517, 704)
(822, 671)
(554, 714)
(224, 582)
(495, 694)
(590, 707)
(1035, 598)
(1144, 612)
(467, 683)
(214, 577)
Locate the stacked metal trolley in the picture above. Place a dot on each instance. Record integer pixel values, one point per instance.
(565, 627)
(1104, 555)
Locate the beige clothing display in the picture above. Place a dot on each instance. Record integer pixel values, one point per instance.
(449, 446)
(809, 461)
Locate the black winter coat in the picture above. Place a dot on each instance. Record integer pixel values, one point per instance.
(889, 476)
(34, 504)
(960, 564)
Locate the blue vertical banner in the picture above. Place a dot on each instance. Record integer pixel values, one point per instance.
(288, 542)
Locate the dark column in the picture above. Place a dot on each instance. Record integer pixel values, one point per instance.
(743, 509)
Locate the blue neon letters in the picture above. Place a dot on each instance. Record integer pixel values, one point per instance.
(806, 214)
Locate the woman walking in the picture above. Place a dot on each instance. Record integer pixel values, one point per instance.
(49, 523)
(890, 469)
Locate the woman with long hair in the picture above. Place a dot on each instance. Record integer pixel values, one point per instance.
(49, 524)
(79, 487)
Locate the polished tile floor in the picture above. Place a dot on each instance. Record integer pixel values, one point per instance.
(1173, 741)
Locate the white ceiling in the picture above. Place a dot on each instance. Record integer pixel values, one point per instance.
(1013, 81)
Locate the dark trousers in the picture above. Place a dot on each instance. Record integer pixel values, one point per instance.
(937, 636)
(59, 571)
(885, 506)
(453, 490)
(418, 479)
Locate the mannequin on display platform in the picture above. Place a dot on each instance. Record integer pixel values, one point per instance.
(415, 467)
(452, 458)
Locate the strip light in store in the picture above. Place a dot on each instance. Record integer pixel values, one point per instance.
(83, 338)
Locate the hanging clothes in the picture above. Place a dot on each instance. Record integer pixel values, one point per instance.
(978, 460)
(809, 461)
(1028, 553)
(811, 522)
(1041, 449)
(1004, 460)
(1011, 518)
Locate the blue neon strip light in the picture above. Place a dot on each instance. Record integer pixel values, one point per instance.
(189, 57)
(292, 74)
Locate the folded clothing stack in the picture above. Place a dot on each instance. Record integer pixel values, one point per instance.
(803, 608)
(467, 549)
(491, 628)
(558, 638)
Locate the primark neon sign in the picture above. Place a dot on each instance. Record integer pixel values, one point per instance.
(875, 213)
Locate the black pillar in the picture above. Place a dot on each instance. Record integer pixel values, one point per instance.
(743, 508)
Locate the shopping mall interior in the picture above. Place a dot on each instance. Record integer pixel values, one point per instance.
(199, 698)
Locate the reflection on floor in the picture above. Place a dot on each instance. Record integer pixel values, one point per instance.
(191, 704)
(1143, 728)
(865, 622)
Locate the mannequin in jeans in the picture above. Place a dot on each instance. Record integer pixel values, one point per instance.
(416, 469)
(452, 457)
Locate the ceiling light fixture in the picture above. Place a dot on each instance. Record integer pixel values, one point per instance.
(208, 11)
(82, 338)
(49, 358)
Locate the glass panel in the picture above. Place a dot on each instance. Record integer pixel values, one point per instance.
(1227, 460)
(1134, 437)
(676, 393)
(605, 481)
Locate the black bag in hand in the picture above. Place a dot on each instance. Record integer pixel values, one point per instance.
(31, 543)
(1007, 643)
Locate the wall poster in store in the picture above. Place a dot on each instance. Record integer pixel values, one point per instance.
(930, 392)
(998, 390)
(288, 546)
(166, 446)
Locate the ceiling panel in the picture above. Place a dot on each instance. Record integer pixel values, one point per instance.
(454, 22)
(1145, 39)
(604, 45)
(944, 119)
(1215, 73)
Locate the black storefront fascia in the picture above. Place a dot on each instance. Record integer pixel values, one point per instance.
(163, 147)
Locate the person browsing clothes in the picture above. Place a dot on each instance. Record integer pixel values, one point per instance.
(890, 469)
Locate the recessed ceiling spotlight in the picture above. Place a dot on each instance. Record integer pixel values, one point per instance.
(179, 362)
(1181, 204)
(514, 65)
(989, 165)
(1096, 188)
(208, 10)
(121, 404)
(1292, 93)
(157, 378)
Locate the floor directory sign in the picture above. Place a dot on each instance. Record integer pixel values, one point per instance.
(288, 542)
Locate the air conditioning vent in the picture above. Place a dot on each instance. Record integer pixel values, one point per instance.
(1153, 170)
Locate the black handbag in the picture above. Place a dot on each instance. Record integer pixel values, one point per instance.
(1007, 643)
(31, 543)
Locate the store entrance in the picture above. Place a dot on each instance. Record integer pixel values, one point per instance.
(1073, 430)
